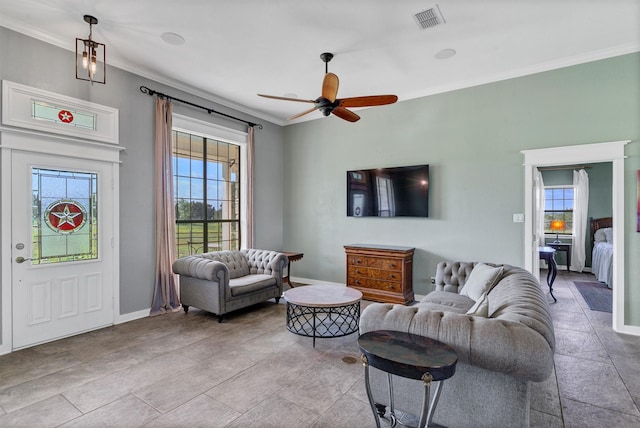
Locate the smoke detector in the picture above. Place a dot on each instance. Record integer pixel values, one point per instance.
(429, 18)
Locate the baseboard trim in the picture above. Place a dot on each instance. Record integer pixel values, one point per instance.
(132, 316)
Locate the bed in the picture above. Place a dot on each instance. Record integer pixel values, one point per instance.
(602, 249)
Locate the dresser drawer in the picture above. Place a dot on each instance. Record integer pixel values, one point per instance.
(374, 284)
(374, 262)
(387, 275)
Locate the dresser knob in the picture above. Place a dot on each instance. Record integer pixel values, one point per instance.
(357, 261)
(391, 276)
(357, 282)
(390, 287)
(392, 265)
(358, 271)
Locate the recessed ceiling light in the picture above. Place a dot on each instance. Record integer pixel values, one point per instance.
(445, 54)
(173, 39)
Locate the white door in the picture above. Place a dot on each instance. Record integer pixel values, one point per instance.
(61, 245)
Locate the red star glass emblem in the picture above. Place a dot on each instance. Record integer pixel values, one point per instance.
(65, 216)
(65, 116)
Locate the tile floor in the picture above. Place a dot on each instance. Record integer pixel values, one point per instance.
(188, 370)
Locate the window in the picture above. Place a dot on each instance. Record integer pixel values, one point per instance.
(386, 204)
(558, 205)
(207, 192)
(65, 216)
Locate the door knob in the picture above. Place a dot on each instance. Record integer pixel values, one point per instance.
(21, 259)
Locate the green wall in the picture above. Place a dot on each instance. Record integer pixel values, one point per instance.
(472, 140)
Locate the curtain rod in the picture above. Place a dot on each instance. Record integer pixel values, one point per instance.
(557, 168)
(151, 92)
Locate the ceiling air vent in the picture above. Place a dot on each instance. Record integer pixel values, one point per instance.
(429, 18)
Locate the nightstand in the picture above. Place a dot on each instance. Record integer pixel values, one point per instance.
(564, 247)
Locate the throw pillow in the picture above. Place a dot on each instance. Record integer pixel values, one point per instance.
(480, 308)
(482, 278)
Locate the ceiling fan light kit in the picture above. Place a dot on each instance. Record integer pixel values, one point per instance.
(328, 102)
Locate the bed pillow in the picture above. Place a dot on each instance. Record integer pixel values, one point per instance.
(608, 233)
(481, 280)
(600, 236)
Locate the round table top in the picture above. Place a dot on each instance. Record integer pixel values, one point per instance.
(322, 295)
(408, 355)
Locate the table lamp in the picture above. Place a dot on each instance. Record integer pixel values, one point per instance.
(557, 225)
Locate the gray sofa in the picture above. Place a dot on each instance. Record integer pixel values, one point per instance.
(223, 281)
(499, 352)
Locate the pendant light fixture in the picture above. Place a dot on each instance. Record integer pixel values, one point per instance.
(91, 61)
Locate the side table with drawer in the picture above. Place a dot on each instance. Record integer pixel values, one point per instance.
(382, 273)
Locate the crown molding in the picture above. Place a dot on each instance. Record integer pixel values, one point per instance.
(122, 64)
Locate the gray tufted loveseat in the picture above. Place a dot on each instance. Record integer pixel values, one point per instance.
(499, 353)
(223, 281)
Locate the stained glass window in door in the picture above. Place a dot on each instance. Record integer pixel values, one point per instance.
(64, 216)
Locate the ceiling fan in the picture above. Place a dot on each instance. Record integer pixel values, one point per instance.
(327, 103)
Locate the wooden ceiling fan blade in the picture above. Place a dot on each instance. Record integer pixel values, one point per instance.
(304, 112)
(345, 114)
(286, 98)
(330, 87)
(368, 101)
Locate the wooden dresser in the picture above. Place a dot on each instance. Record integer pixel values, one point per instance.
(382, 273)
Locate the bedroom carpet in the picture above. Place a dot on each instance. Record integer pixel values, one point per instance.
(597, 295)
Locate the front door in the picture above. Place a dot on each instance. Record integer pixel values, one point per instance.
(61, 245)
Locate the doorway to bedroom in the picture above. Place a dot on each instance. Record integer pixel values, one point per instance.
(611, 153)
(577, 234)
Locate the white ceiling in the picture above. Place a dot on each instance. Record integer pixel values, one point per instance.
(236, 49)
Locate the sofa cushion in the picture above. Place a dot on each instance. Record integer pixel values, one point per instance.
(250, 283)
(482, 278)
(445, 301)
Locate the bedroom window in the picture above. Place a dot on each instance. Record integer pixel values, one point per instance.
(206, 180)
(558, 205)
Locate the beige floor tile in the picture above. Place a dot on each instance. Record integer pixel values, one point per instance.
(581, 345)
(201, 412)
(276, 412)
(593, 383)
(127, 411)
(91, 395)
(544, 420)
(24, 394)
(582, 415)
(51, 412)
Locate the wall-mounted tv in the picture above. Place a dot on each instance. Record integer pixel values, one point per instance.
(388, 192)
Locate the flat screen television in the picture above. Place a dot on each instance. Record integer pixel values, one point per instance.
(388, 192)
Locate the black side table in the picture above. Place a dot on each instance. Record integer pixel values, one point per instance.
(548, 254)
(565, 247)
(410, 356)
